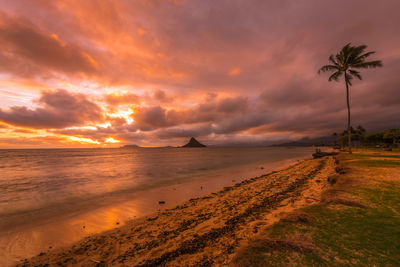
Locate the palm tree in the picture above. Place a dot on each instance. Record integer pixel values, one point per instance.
(361, 130)
(347, 62)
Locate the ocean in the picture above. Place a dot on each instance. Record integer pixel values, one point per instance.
(47, 193)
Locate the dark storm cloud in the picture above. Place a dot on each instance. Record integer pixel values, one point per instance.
(184, 131)
(155, 117)
(212, 110)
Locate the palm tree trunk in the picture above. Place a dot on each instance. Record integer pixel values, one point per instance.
(348, 113)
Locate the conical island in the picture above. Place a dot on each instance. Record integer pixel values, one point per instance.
(194, 143)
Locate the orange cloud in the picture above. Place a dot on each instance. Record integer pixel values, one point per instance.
(24, 43)
(141, 31)
(116, 99)
(235, 71)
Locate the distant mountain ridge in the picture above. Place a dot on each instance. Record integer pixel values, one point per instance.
(194, 143)
(318, 141)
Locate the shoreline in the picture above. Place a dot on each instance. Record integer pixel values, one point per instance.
(200, 229)
(70, 227)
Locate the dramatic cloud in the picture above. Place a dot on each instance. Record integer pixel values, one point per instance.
(59, 109)
(212, 110)
(122, 99)
(156, 117)
(26, 46)
(155, 72)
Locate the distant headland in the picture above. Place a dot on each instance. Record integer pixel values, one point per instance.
(130, 146)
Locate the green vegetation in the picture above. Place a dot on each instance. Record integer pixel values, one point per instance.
(362, 231)
(387, 138)
(379, 156)
(379, 164)
(347, 63)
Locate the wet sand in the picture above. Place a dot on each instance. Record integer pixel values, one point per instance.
(202, 231)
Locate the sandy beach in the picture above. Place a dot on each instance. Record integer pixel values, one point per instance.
(69, 199)
(202, 231)
(26, 234)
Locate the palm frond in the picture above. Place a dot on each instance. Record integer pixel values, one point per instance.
(353, 54)
(364, 56)
(328, 68)
(356, 74)
(339, 58)
(346, 53)
(366, 65)
(335, 76)
(358, 50)
(332, 60)
(358, 56)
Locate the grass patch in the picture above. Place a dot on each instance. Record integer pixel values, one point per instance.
(375, 161)
(363, 156)
(341, 235)
(376, 149)
(379, 163)
(387, 196)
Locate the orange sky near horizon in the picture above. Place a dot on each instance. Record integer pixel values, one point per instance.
(156, 72)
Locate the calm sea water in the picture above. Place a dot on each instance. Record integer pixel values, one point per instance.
(62, 179)
(54, 197)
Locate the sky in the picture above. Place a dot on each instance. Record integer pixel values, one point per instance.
(105, 73)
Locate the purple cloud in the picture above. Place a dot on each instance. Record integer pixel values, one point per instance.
(59, 109)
